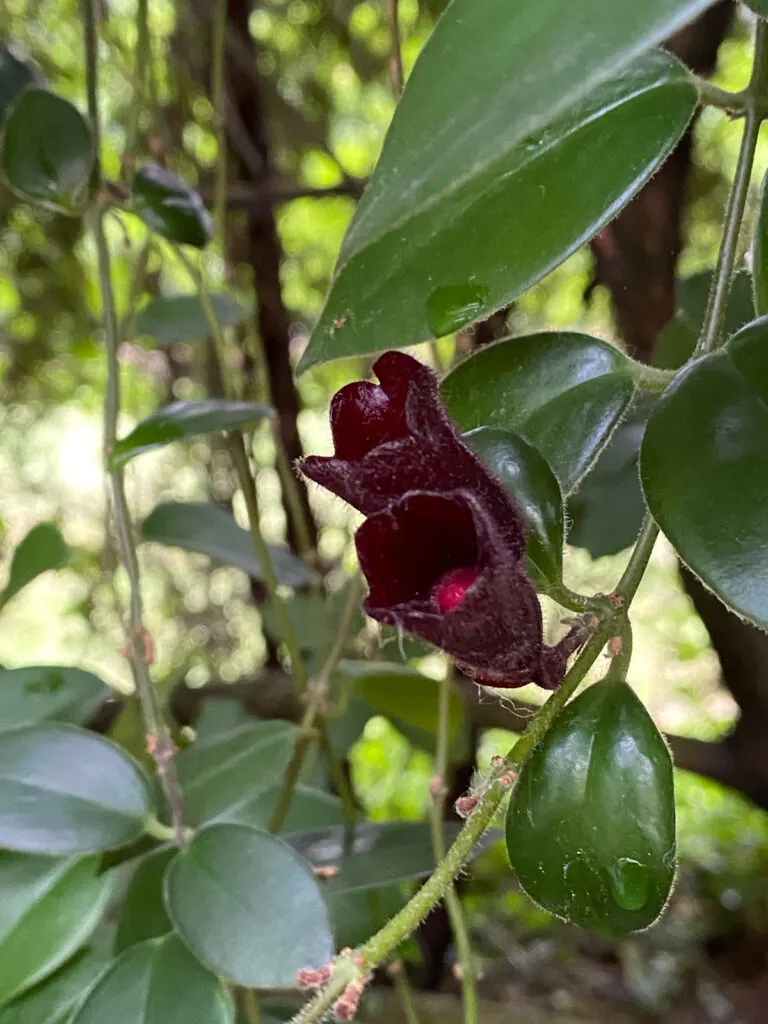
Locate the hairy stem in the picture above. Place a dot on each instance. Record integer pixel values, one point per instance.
(459, 927)
(714, 317)
(138, 641)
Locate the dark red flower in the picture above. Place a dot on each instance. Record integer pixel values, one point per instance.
(443, 542)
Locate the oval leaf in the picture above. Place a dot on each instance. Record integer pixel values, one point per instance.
(48, 910)
(408, 698)
(41, 550)
(143, 915)
(527, 476)
(704, 463)
(565, 393)
(49, 693)
(248, 906)
(591, 820)
(170, 318)
(181, 421)
(64, 790)
(157, 982)
(170, 207)
(222, 776)
(201, 527)
(47, 151)
(420, 264)
(382, 853)
(53, 1001)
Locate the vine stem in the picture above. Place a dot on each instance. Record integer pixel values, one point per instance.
(142, 54)
(438, 789)
(714, 317)
(396, 75)
(138, 641)
(313, 724)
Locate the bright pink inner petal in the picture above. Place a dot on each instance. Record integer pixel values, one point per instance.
(451, 589)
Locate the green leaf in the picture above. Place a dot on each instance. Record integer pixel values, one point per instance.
(201, 527)
(678, 339)
(157, 982)
(181, 421)
(427, 252)
(356, 916)
(704, 463)
(222, 776)
(64, 790)
(758, 6)
(383, 853)
(49, 693)
(49, 908)
(15, 76)
(564, 393)
(170, 207)
(248, 907)
(47, 151)
(170, 318)
(53, 1000)
(143, 915)
(591, 820)
(527, 476)
(41, 550)
(760, 247)
(607, 510)
(402, 694)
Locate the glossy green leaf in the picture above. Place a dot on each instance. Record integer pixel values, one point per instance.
(759, 7)
(527, 476)
(248, 906)
(607, 509)
(170, 207)
(356, 916)
(418, 263)
(64, 790)
(48, 908)
(402, 694)
(15, 75)
(47, 151)
(382, 853)
(564, 393)
(591, 820)
(222, 776)
(157, 982)
(678, 339)
(170, 318)
(54, 999)
(201, 527)
(704, 466)
(41, 550)
(49, 693)
(760, 247)
(181, 421)
(143, 915)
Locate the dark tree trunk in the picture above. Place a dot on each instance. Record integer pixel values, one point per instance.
(249, 141)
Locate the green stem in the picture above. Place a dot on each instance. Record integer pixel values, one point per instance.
(638, 561)
(403, 989)
(313, 725)
(159, 742)
(218, 88)
(240, 461)
(714, 317)
(650, 378)
(396, 75)
(251, 1006)
(142, 53)
(459, 927)
(713, 96)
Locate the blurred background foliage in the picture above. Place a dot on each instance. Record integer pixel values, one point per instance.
(321, 71)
